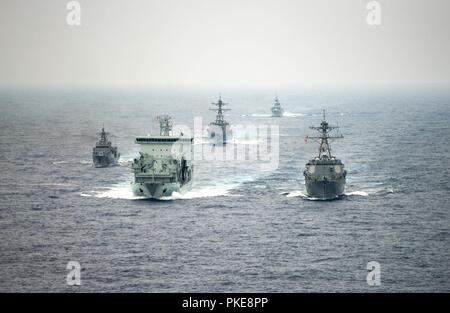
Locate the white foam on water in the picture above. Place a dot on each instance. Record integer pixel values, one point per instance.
(259, 186)
(298, 194)
(125, 162)
(129, 157)
(200, 192)
(290, 114)
(295, 194)
(60, 162)
(258, 115)
(357, 193)
(118, 192)
(84, 162)
(124, 191)
(285, 114)
(370, 192)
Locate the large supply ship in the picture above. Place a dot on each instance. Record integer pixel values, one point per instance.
(164, 165)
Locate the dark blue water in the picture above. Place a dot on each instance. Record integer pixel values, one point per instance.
(239, 228)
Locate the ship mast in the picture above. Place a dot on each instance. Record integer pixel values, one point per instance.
(277, 103)
(103, 137)
(324, 129)
(219, 117)
(165, 126)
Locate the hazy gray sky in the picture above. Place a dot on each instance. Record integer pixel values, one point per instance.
(224, 43)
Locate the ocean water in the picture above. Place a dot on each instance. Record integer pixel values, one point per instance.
(240, 229)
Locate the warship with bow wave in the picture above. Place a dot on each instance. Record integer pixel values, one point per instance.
(277, 110)
(164, 165)
(104, 153)
(325, 175)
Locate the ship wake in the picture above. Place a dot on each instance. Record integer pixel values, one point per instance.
(285, 114)
(348, 193)
(124, 191)
(74, 162)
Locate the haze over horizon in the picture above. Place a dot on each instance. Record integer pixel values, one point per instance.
(217, 43)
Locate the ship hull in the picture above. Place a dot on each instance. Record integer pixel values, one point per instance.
(277, 113)
(325, 189)
(219, 136)
(104, 161)
(158, 190)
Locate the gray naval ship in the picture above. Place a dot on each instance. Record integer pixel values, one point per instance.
(164, 164)
(219, 131)
(325, 175)
(277, 110)
(104, 154)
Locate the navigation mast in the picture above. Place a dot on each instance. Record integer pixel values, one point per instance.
(103, 140)
(219, 117)
(325, 139)
(165, 125)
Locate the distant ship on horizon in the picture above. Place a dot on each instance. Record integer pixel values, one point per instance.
(277, 110)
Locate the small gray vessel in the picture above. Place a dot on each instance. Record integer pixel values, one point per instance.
(277, 110)
(164, 165)
(324, 175)
(219, 131)
(104, 154)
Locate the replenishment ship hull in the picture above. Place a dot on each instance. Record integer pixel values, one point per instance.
(164, 164)
(159, 190)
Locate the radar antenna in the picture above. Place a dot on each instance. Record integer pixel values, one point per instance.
(324, 138)
(219, 117)
(165, 125)
(103, 140)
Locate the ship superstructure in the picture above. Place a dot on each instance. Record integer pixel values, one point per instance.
(164, 165)
(325, 175)
(277, 110)
(219, 130)
(104, 154)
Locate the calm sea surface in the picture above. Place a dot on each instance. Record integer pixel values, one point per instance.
(240, 228)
